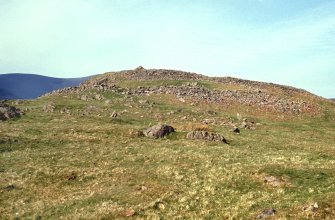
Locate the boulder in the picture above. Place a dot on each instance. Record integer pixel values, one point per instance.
(8, 112)
(158, 131)
(205, 135)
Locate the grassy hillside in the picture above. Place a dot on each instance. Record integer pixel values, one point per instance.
(66, 157)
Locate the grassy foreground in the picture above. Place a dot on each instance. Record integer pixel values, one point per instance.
(88, 165)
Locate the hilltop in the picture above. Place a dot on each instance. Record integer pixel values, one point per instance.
(167, 144)
(31, 86)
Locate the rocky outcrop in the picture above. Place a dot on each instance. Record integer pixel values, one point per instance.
(158, 131)
(205, 135)
(8, 112)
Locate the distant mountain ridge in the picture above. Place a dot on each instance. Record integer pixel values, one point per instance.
(30, 86)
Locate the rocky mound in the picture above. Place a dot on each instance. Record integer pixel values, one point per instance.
(8, 112)
(266, 96)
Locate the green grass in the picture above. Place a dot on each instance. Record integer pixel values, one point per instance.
(115, 171)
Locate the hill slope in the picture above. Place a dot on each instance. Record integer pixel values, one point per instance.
(29, 86)
(81, 152)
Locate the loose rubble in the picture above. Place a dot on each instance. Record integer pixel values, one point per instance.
(267, 213)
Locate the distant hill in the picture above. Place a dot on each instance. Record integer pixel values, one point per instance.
(332, 100)
(30, 86)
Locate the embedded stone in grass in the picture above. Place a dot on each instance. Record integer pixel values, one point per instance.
(9, 187)
(160, 205)
(114, 114)
(312, 207)
(128, 213)
(276, 182)
(158, 131)
(72, 176)
(267, 213)
(205, 135)
(236, 130)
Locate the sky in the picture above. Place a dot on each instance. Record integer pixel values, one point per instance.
(289, 42)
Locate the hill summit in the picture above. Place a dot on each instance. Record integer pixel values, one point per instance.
(221, 90)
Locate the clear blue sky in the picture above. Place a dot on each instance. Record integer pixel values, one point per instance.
(282, 41)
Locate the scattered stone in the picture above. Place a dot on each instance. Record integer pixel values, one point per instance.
(84, 98)
(311, 207)
(114, 115)
(65, 110)
(128, 212)
(267, 213)
(248, 125)
(72, 176)
(182, 100)
(205, 135)
(236, 130)
(8, 112)
(158, 131)
(210, 112)
(9, 187)
(276, 182)
(49, 107)
(143, 101)
(143, 188)
(98, 97)
(160, 205)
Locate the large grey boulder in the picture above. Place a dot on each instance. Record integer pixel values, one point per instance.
(158, 131)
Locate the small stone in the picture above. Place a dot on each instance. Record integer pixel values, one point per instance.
(182, 100)
(9, 187)
(84, 98)
(236, 130)
(267, 213)
(114, 115)
(160, 205)
(312, 207)
(128, 212)
(143, 188)
(72, 176)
